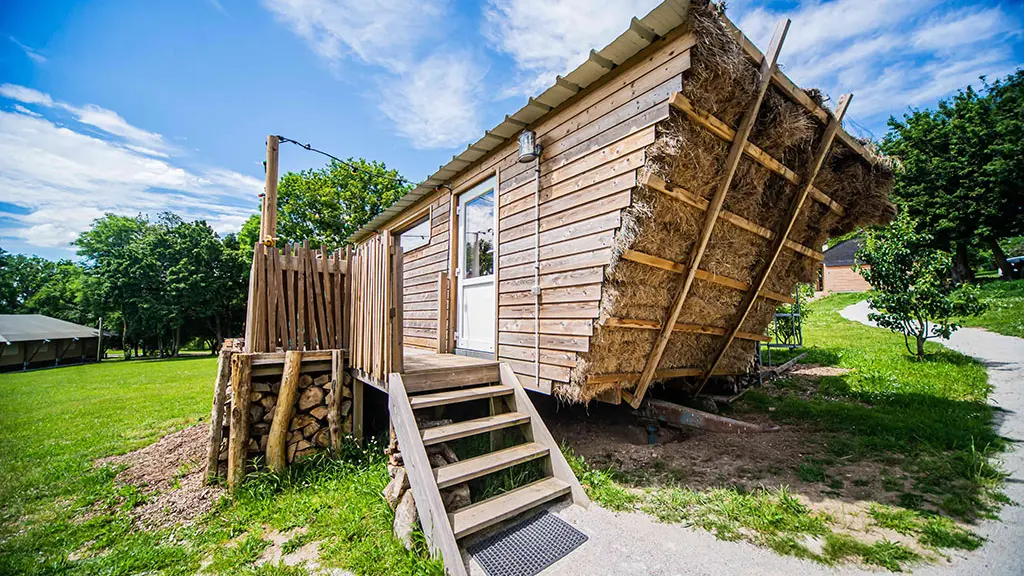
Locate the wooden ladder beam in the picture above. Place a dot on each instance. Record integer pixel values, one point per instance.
(794, 211)
(704, 275)
(732, 161)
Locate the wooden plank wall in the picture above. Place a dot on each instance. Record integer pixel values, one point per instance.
(422, 269)
(593, 148)
(374, 350)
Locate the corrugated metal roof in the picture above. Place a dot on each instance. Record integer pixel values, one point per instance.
(28, 327)
(844, 253)
(641, 32)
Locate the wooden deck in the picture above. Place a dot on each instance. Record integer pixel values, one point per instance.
(424, 370)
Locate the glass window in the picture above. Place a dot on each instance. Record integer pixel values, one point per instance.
(416, 236)
(479, 239)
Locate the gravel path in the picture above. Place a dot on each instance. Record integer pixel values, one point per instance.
(636, 544)
(1003, 356)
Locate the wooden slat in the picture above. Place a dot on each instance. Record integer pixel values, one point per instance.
(466, 428)
(456, 396)
(731, 162)
(663, 264)
(466, 470)
(673, 191)
(434, 521)
(794, 211)
(547, 341)
(726, 133)
(529, 354)
(451, 377)
(680, 327)
(560, 327)
(476, 517)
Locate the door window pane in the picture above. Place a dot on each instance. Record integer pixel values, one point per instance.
(478, 259)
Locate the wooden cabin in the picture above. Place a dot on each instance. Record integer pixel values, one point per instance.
(622, 226)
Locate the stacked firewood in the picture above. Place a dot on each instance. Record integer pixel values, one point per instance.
(309, 429)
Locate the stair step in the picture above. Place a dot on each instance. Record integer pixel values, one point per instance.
(466, 470)
(473, 372)
(456, 396)
(493, 510)
(470, 427)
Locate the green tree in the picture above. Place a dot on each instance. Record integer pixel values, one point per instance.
(962, 171)
(326, 205)
(20, 277)
(914, 294)
(68, 294)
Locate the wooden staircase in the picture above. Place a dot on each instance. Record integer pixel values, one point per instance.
(510, 408)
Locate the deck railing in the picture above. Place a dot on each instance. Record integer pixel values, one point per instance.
(376, 305)
(297, 299)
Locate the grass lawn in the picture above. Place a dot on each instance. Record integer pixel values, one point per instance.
(60, 514)
(1005, 314)
(925, 425)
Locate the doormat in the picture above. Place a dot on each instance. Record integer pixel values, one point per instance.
(528, 547)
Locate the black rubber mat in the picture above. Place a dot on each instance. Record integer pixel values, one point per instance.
(528, 547)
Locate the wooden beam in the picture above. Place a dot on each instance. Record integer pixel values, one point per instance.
(725, 132)
(673, 191)
(238, 434)
(277, 440)
(220, 392)
(680, 327)
(656, 262)
(268, 219)
(630, 377)
(794, 210)
(711, 215)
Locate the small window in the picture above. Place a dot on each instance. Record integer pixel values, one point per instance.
(418, 235)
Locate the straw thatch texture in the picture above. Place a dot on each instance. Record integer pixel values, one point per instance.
(721, 81)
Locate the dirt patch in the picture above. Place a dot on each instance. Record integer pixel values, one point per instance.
(170, 473)
(816, 371)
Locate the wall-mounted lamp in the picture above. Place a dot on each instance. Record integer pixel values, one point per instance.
(529, 150)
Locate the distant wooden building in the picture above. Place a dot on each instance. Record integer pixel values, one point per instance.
(36, 341)
(837, 270)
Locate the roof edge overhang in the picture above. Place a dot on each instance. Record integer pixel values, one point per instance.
(641, 33)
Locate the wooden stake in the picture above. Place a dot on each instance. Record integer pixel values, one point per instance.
(220, 392)
(238, 439)
(794, 210)
(268, 218)
(277, 441)
(334, 417)
(732, 161)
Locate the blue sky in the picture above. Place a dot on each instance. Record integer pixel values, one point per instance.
(126, 106)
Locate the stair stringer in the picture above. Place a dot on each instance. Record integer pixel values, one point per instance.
(434, 522)
(540, 434)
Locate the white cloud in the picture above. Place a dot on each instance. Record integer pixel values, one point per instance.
(892, 54)
(379, 32)
(434, 105)
(23, 110)
(32, 53)
(549, 37)
(429, 90)
(106, 120)
(65, 179)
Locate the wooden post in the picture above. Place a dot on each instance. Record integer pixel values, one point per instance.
(277, 441)
(711, 216)
(334, 406)
(268, 218)
(238, 439)
(357, 408)
(397, 288)
(442, 313)
(99, 343)
(780, 241)
(220, 392)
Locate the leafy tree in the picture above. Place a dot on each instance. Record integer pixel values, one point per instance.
(68, 294)
(962, 171)
(326, 205)
(914, 294)
(20, 277)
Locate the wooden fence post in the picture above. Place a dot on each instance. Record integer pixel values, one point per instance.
(268, 219)
(220, 392)
(277, 442)
(442, 313)
(238, 440)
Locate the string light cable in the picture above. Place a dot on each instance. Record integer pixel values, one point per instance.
(346, 163)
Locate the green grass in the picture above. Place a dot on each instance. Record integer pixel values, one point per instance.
(1005, 313)
(930, 418)
(60, 514)
(927, 422)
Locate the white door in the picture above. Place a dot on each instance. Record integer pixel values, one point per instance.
(475, 329)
